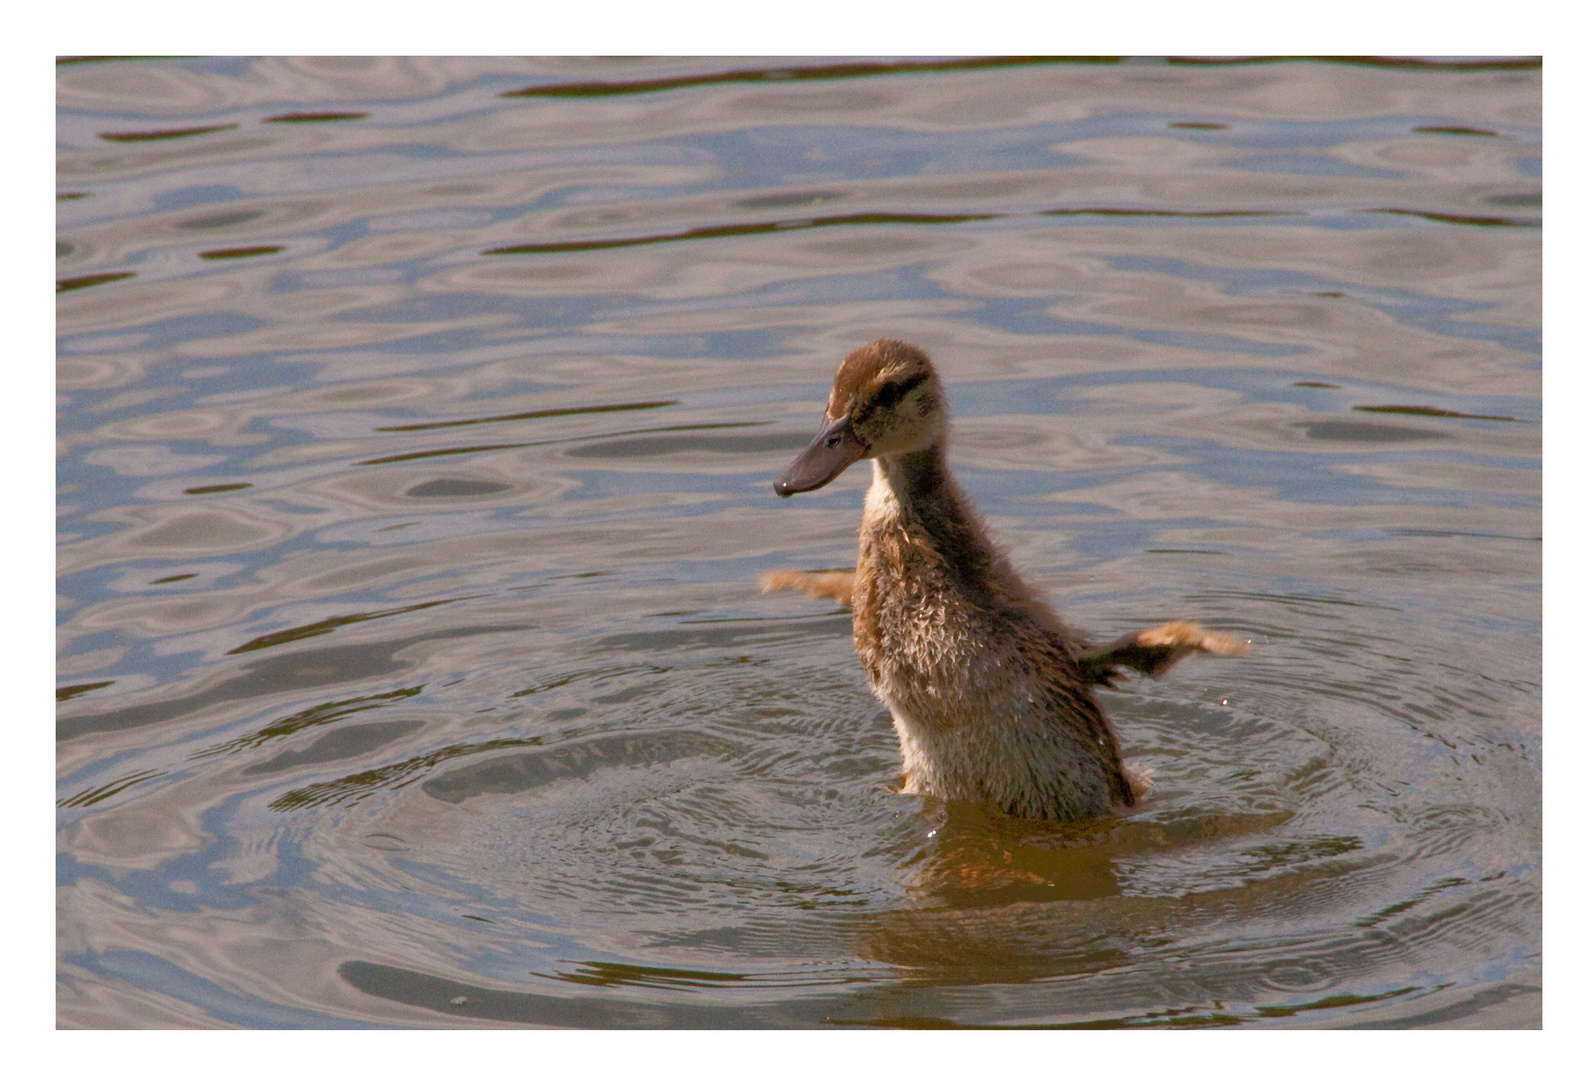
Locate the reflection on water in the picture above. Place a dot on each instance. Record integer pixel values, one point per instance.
(417, 424)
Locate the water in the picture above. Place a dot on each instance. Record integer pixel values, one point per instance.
(412, 666)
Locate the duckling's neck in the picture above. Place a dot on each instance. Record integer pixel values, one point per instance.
(918, 490)
(919, 480)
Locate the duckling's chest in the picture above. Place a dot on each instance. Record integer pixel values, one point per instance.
(925, 640)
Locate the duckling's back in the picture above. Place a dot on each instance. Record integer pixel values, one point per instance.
(982, 678)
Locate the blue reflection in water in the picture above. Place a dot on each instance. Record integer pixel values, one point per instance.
(195, 195)
(1308, 165)
(1436, 314)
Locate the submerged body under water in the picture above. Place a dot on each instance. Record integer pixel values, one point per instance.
(416, 419)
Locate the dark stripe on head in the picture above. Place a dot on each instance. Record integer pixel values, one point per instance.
(892, 393)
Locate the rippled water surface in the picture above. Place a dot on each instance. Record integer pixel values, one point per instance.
(416, 446)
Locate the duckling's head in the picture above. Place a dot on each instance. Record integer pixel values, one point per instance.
(887, 400)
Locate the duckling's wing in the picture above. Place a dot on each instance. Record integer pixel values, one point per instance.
(836, 585)
(1154, 650)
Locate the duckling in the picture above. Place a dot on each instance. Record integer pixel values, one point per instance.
(991, 693)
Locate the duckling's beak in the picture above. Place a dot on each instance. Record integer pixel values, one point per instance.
(830, 454)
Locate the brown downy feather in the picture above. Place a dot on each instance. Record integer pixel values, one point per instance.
(835, 585)
(1154, 650)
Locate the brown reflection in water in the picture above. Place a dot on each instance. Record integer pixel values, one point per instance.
(596, 674)
(512, 774)
(326, 626)
(786, 73)
(724, 633)
(602, 973)
(294, 671)
(1346, 431)
(63, 61)
(1456, 532)
(68, 196)
(996, 944)
(1188, 1017)
(242, 252)
(679, 444)
(286, 673)
(1217, 1018)
(352, 789)
(987, 917)
(709, 232)
(1462, 219)
(67, 693)
(1335, 1001)
(797, 74)
(1318, 385)
(473, 1002)
(1425, 410)
(211, 489)
(313, 117)
(448, 487)
(325, 713)
(220, 220)
(577, 410)
(93, 795)
(353, 741)
(983, 859)
(88, 280)
(173, 577)
(1435, 129)
(1193, 125)
(165, 133)
(1106, 211)
(419, 454)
